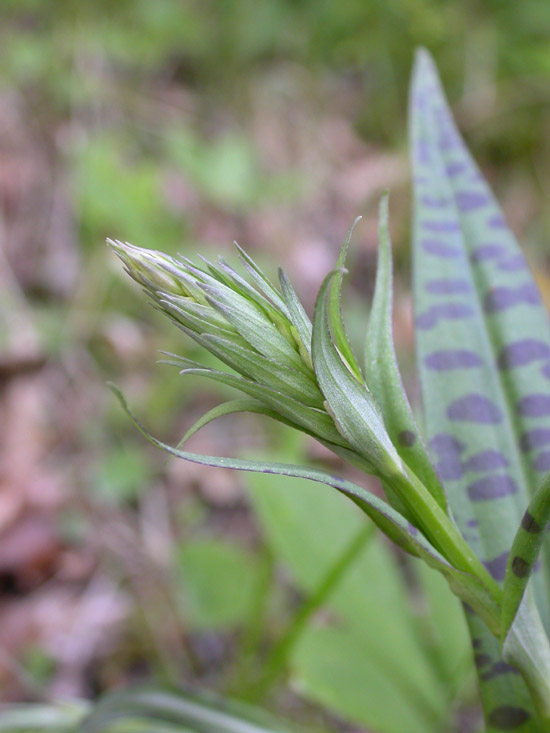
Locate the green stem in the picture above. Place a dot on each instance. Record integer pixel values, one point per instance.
(528, 649)
(277, 659)
(443, 533)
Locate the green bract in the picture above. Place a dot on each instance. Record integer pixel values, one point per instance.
(484, 357)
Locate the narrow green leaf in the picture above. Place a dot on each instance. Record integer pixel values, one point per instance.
(314, 421)
(298, 385)
(255, 327)
(382, 371)
(230, 408)
(524, 552)
(194, 711)
(335, 317)
(480, 334)
(396, 527)
(350, 402)
(262, 281)
(298, 316)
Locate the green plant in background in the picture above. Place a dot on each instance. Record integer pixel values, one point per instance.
(484, 351)
(474, 507)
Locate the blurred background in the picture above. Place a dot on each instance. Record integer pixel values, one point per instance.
(182, 126)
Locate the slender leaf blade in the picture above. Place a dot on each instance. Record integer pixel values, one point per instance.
(382, 371)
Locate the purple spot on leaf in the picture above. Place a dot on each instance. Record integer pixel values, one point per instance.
(470, 200)
(440, 249)
(542, 461)
(472, 523)
(474, 408)
(449, 467)
(443, 443)
(442, 311)
(535, 438)
(492, 487)
(441, 226)
(507, 717)
(448, 359)
(486, 460)
(455, 169)
(487, 252)
(448, 286)
(522, 352)
(496, 222)
(513, 264)
(500, 298)
(406, 438)
(433, 202)
(422, 152)
(497, 669)
(497, 566)
(545, 371)
(534, 405)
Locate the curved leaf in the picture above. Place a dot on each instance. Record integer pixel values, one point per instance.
(382, 371)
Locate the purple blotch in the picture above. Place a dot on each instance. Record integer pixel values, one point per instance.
(487, 252)
(440, 249)
(522, 352)
(492, 487)
(542, 461)
(454, 169)
(422, 152)
(442, 311)
(406, 438)
(441, 226)
(534, 405)
(507, 717)
(535, 438)
(545, 371)
(474, 408)
(497, 669)
(486, 460)
(470, 200)
(448, 286)
(442, 443)
(472, 523)
(513, 264)
(502, 297)
(412, 529)
(496, 222)
(447, 359)
(433, 202)
(449, 467)
(497, 566)
(481, 660)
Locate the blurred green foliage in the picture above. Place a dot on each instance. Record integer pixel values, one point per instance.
(147, 110)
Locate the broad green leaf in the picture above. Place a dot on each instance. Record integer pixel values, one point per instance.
(382, 371)
(187, 711)
(216, 583)
(483, 348)
(307, 529)
(524, 552)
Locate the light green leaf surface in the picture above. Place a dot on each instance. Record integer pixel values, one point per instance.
(307, 529)
(482, 345)
(216, 583)
(382, 371)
